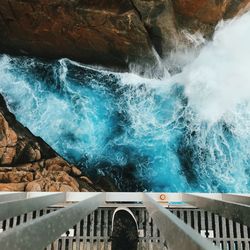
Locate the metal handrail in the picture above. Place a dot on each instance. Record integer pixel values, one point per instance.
(40, 232)
(236, 198)
(10, 196)
(231, 210)
(177, 234)
(14, 208)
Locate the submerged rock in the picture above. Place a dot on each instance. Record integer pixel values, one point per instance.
(27, 163)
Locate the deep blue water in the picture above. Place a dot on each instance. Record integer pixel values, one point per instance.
(144, 134)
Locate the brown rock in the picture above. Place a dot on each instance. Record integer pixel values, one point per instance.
(8, 155)
(28, 177)
(203, 15)
(207, 11)
(33, 186)
(63, 177)
(11, 137)
(38, 154)
(104, 32)
(12, 186)
(2, 150)
(67, 169)
(54, 167)
(76, 171)
(237, 8)
(86, 179)
(53, 187)
(74, 185)
(38, 175)
(210, 11)
(25, 167)
(5, 169)
(67, 188)
(15, 177)
(159, 19)
(4, 177)
(31, 153)
(56, 160)
(35, 166)
(3, 125)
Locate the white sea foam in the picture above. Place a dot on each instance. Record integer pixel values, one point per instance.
(218, 80)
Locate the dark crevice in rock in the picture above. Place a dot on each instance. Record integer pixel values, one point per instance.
(156, 41)
(137, 10)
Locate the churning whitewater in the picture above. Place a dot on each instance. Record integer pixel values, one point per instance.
(187, 132)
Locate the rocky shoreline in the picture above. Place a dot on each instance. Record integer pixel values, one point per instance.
(27, 163)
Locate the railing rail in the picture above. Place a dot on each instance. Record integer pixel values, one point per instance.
(17, 207)
(236, 198)
(176, 233)
(231, 210)
(10, 196)
(40, 232)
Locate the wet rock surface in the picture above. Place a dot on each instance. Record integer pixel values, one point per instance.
(27, 163)
(158, 18)
(108, 32)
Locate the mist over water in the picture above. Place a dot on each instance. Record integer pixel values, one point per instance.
(186, 132)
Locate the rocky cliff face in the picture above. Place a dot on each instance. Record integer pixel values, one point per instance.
(107, 32)
(27, 163)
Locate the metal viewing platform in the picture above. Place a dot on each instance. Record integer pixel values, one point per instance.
(83, 221)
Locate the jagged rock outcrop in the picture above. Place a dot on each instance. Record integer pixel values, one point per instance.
(110, 33)
(27, 163)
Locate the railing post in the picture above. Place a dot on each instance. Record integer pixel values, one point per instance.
(39, 233)
(177, 234)
(234, 211)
